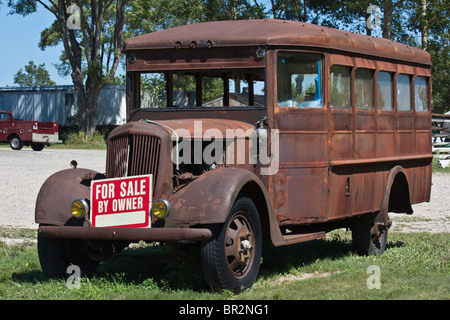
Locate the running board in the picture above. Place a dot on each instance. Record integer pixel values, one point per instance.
(296, 238)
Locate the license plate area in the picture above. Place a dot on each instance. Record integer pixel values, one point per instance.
(121, 202)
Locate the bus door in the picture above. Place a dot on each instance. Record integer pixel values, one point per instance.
(300, 185)
(341, 137)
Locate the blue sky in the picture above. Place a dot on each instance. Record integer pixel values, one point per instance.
(19, 38)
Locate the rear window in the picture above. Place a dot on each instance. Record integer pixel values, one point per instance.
(403, 92)
(421, 94)
(340, 87)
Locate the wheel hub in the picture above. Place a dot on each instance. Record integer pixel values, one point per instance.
(239, 246)
(246, 245)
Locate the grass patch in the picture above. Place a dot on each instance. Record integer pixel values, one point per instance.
(17, 233)
(78, 140)
(414, 266)
(438, 168)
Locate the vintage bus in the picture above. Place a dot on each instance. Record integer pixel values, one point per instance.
(341, 120)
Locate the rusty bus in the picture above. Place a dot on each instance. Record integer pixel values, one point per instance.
(349, 114)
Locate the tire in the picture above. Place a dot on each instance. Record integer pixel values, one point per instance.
(37, 146)
(364, 242)
(15, 142)
(232, 256)
(56, 255)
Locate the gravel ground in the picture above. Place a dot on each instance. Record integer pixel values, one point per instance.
(23, 172)
(433, 216)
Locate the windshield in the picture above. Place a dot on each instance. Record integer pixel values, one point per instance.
(201, 89)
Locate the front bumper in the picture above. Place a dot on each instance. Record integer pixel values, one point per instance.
(127, 234)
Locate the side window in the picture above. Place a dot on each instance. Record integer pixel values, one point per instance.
(299, 80)
(385, 91)
(364, 89)
(340, 87)
(403, 92)
(421, 94)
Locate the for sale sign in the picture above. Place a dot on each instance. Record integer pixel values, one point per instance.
(121, 202)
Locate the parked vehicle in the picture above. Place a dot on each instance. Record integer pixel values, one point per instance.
(19, 132)
(333, 130)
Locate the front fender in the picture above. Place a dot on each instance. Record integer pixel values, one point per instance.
(209, 198)
(57, 193)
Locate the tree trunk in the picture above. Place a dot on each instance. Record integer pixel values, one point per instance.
(424, 25)
(387, 21)
(305, 12)
(368, 30)
(90, 121)
(87, 101)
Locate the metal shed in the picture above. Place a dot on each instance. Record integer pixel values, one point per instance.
(57, 103)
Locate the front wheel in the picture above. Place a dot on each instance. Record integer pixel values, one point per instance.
(15, 142)
(56, 255)
(231, 258)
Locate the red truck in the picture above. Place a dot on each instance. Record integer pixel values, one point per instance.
(29, 133)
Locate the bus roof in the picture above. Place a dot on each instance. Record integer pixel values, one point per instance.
(277, 33)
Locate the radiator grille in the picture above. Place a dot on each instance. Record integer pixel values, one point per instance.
(133, 155)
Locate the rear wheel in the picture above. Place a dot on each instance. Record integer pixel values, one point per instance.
(37, 146)
(231, 258)
(368, 238)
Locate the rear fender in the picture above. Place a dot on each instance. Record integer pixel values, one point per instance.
(59, 191)
(396, 178)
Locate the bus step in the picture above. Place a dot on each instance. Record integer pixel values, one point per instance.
(296, 238)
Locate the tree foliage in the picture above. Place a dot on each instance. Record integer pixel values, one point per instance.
(420, 23)
(145, 16)
(431, 20)
(33, 75)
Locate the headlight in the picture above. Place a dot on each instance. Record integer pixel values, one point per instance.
(160, 208)
(79, 208)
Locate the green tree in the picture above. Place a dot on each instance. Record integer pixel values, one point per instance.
(438, 22)
(429, 21)
(440, 71)
(232, 10)
(91, 33)
(144, 16)
(33, 75)
(288, 9)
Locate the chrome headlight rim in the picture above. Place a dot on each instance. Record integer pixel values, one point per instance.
(167, 210)
(85, 207)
